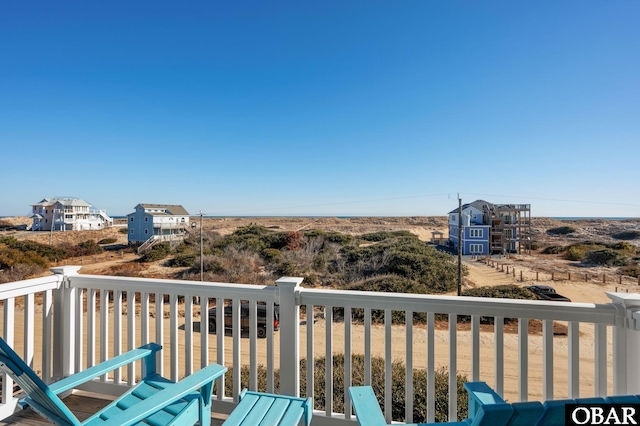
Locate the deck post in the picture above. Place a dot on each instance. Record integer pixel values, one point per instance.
(288, 290)
(64, 323)
(626, 343)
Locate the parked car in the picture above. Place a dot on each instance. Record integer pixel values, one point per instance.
(244, 318)
(545, 292)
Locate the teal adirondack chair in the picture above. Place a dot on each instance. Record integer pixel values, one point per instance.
(486, 408)
(154, 400)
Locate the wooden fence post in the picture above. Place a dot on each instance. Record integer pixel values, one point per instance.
(537, 276)
(569, 276)
(604, 278)
(552, 276)
(521, 276)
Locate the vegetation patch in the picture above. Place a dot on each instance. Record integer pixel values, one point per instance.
(257, 254)
(107, 241)
(553, 249)
(561, 230)
(606, 257)
(398, 375)
(626, 235)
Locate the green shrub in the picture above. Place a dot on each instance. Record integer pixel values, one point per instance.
(626, 235)
(181, 260)
(157, 252)
(561, 230)
(107, 241)
(623, 246)
(577, 252)
(606, 257)
(507, 291)
(630, 270)
(384, 235)
(398, 374)
(123, 230)
(553, 250)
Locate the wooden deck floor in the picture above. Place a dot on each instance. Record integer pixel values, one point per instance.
(83, 405)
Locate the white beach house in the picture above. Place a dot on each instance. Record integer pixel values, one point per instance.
(67, 214)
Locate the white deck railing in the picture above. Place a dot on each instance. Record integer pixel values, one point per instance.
(597, 355)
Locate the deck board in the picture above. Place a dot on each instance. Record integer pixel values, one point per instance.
(83, 406)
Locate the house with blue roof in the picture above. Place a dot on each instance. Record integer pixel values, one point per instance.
(488, 228)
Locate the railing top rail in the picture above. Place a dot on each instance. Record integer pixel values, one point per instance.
(251, 292)
(462, 305)
(31, 286)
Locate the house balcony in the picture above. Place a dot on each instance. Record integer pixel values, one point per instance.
(66, 322)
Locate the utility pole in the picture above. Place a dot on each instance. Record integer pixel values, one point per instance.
(201, 250)
(459, 245)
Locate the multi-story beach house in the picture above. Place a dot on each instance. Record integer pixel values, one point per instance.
(67, 214)
(489, 228)
(157, 222)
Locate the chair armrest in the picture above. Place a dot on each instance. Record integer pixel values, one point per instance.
(104, 367)
(167, 396)
(366, 406)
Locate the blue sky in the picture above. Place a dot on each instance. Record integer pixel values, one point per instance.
(322, 108)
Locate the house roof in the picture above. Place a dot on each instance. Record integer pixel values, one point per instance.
(168, 209)
(64, 201)
(478, 204)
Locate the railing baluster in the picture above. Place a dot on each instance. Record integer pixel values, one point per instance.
(131, 334)
(159, 312)
(8, 333)
(408, 384)
(387, 366)
(188, 335)
(453, 368)
(310, 354)
(475, 348)
(347, 362)
(237, 366)
(547, 359)
(328, 359)
(253, 346)
(144, 318)
(117, 332)
(270, 347)
(204, 342)
(431, 369)
(104, 328)
(29, 326)
(523, 359)
(574, 360)
(173, 337)
(499, 355)
(79, 335)
(367, 346)
(600, 359)
(220, 345)
(91, 327)
(47, 335)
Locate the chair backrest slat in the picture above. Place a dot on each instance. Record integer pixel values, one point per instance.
(49, 403)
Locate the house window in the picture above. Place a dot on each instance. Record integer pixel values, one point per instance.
(454, 217)
(475, 248)
(146, 219)
(131, 219)
(131, 231)
(146, 231)
(508, 233)
(475, 233)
